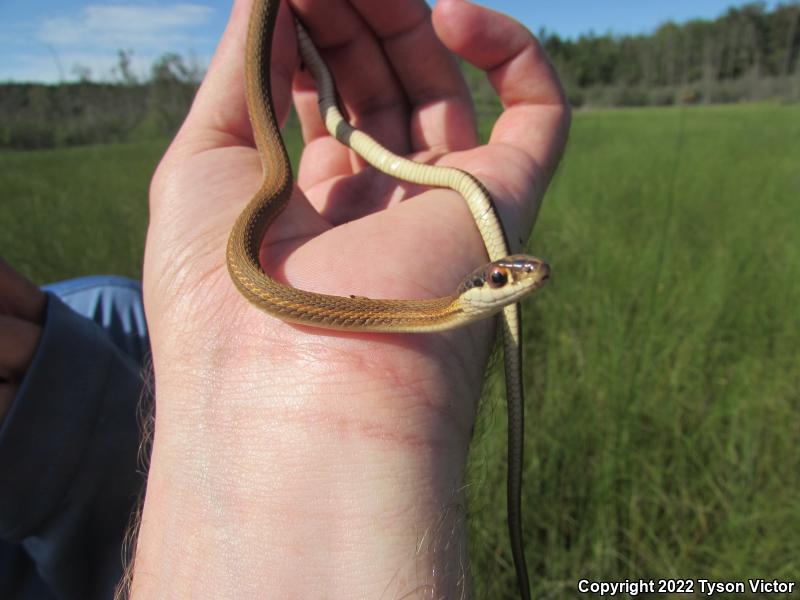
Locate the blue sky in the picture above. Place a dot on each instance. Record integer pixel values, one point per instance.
(44, 40)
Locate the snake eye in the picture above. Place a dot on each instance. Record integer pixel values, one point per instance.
(498, 277)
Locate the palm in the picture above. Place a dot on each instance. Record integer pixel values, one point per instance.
(378, 256)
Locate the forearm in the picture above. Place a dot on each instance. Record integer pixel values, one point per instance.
(321, 488)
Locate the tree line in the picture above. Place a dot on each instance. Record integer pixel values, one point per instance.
(86, 112)
(747, 54)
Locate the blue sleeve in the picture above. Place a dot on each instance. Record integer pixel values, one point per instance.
(68, 463)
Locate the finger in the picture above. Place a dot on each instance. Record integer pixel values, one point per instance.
(218, 120)
(324, 157)
(536, 117)
(371, 95)
(219, 107)
(417, 73)
(429, 83)
(442, 115)
(20, 297)
(18, 340)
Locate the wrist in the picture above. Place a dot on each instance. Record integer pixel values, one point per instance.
(336, 477)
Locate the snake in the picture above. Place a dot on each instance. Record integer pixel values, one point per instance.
(492, 289)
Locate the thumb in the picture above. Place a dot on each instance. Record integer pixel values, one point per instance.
(219, 111)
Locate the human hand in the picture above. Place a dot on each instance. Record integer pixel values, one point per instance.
(277, 444)
(21, 316)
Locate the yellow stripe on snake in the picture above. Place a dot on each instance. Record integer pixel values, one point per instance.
(491, 289)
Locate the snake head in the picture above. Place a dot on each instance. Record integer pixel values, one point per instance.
(502, 282)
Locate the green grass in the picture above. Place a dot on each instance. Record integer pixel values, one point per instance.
(663, 358)
(76, 211)
(81, 211)
(663, 361)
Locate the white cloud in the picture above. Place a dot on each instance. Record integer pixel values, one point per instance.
(125, 26)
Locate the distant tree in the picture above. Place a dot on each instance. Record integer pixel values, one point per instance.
(171, 88)
(171, 67)
(82, 73)
(123, 72)
(791, 19)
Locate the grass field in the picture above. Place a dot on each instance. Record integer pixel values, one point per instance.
(663, 360)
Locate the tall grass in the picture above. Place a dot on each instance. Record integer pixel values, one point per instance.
(663, 359)
(79, 211)
(76, 211)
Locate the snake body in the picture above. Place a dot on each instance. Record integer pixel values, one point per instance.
(491, 289)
